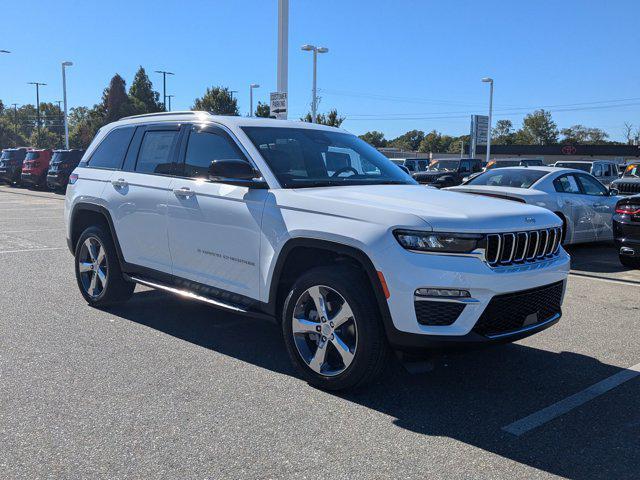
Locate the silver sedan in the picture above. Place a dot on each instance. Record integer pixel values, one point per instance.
(585, 206)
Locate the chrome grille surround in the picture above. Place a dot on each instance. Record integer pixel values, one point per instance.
(522, 247)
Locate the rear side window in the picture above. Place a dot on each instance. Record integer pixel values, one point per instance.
(155, 154)
(111, 151)
(566, 184)
(205, 147)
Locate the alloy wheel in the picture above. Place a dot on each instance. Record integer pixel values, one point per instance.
(93, 268)
(324, 330)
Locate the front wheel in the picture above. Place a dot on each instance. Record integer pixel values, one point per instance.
(333, 330)
(98, 271)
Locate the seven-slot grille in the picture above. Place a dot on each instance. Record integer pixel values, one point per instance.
(519, 247)
(627, 187)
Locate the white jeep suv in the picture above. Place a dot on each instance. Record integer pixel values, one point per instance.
(311, 227)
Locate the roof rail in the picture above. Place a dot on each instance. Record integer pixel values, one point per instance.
(186, 112)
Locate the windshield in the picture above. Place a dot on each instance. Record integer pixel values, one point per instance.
(32, 156)
(632, 170)
(505, 177)
(303, 157)
(585, 167)
(533, 163)
(448, 165)
(502, 163)
(6, 155)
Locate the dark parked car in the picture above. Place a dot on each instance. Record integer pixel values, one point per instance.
(629, 183)
(448, 172)
(11, 164)
(626, 231)
(35, 167)
(61, 166)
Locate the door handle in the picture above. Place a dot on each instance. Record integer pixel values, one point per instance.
(119, 183)
(183, 192)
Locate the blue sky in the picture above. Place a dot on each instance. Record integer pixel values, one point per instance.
(392, 65)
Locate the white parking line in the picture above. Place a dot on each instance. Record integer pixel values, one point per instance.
(32, 250)
(38, 230)
(574, 401)
(620, 281)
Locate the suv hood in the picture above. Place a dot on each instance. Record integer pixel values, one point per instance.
(395, 205)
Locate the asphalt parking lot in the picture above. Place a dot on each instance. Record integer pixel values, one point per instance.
(163, 388)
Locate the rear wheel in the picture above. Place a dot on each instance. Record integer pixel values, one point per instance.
(98, 271)
(629, 262)
(332, 329)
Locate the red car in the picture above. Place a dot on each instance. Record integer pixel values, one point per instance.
(35, 168)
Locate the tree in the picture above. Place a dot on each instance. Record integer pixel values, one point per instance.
(44, 138)
(263, 110)
(332, 119)
(503, 133)
(584, 135)
(143, 97)
(115, 100)
(540, 128)
(217, 100)
(8, 135)
(375, 139)
(408, 141)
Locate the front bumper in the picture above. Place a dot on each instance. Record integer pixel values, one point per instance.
(407, 271)
(10, 174)
(32, 178)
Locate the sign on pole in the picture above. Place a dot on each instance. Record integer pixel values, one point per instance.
(479, 132)
(279, 105)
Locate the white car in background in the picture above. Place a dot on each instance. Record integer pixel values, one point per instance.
(585, 206)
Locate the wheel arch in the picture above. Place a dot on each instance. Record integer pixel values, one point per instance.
(289, 264)
(84, 215)
(565, 226)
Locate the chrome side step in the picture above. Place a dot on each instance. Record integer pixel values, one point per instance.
(194, 296)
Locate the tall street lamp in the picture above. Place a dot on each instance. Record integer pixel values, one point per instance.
(251, 87)
(170, 97)
(64, 99)
(314, 95)
(164, 86)
(38, 85)
(490, 82)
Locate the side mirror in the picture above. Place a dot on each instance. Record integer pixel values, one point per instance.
(613, 192)
(235, 172)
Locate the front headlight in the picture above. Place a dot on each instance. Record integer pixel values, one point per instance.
(438, 242)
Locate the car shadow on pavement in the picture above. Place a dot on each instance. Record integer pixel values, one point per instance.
(595, 258)
(467, 396)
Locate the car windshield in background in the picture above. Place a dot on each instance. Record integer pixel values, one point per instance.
(6, 156)
(449, 165)
(632, 171)
(585, 167)
(502, 164)
(303, 157)
(503, 177)
(32, 156)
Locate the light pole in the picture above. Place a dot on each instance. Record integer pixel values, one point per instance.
(251, 87)
(170, 97)
(490, 82)
(37, 84)
(15, 120)
(64, 99)
(314, 95)
(283, 46)
(164, 86)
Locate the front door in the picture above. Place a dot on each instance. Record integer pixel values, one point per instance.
(577, 208)
(214, 228)
(601, 204)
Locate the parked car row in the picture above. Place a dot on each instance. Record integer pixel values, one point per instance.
(38, 168)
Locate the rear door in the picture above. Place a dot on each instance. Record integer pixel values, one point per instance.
(214, 228)
(137, 196)
(577, 208)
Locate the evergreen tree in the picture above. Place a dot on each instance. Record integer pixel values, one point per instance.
(217, 100)
(143, 97)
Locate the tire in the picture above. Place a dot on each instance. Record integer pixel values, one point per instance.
(360, 336)
(629, 262)
(109, 287)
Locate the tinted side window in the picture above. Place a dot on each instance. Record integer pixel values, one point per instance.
(465, 167)
(205, 147)
(112, 149)
(155, 152)
(566, 184)
(591, 186)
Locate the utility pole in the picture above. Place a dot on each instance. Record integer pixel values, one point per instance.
(164, 86)
(37, 84)
(231, 92)
(490, 82)
(314, 90)
(64, 97)
(170, 97)
(283, 46)
(15, 121)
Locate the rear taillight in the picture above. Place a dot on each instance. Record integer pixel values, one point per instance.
(628, 209)
(73, 178)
